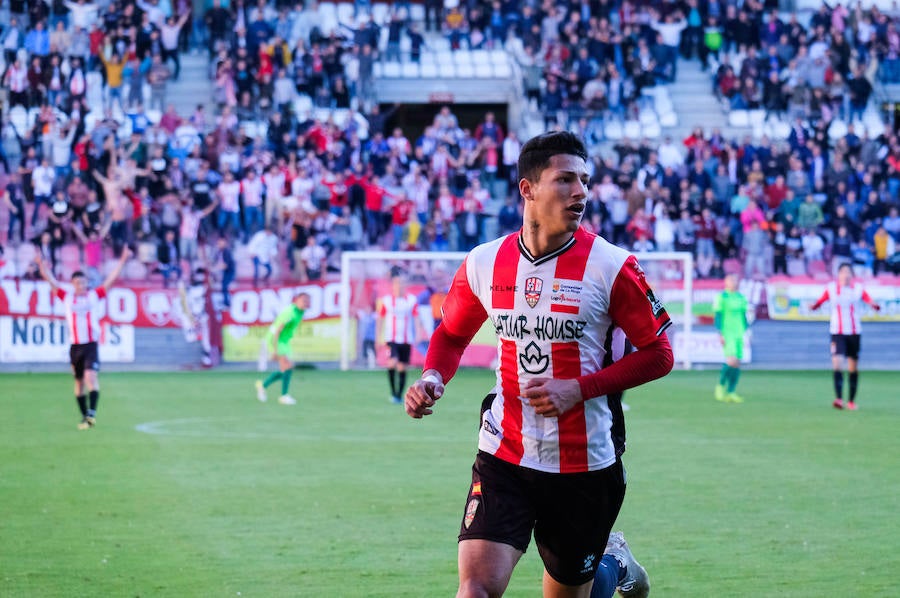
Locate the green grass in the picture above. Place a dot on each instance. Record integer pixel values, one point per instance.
(343, 495)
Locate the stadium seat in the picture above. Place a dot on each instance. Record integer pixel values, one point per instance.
(417, 12)
(428, 58)
(483, 70)
(250, 128)
(648, 117)
(613, 130)
(837, 129)
(499, 56)
(344, 13)
(380, 11)
(756, 117)
(18, 117)
(480, 56)
(429, 70)
(410, 70)
(390, 70)
(462, 57)
(668, 119)
(503, 70)
(778, 130)
(153, 116)
(439, 44)
(444, 57)
(466, 71)
(378, 69)
(651, 131)
(303, 105)
(632, 129)
(447, 70)
(739, 118)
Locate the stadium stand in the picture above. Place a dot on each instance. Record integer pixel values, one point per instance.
(308, 101)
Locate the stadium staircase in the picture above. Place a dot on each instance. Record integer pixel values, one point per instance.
(194, 85)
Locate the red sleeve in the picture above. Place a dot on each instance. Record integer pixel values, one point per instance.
(635, 308)
(382, 308)
(866, 297)
(101, 292)
(463, 314)
(821, 300)
(651, 362)
(61, 293)
(641, 315)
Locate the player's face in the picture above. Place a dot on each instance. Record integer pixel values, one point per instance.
(302, 302)
(556, 201)
(80, 284)
(845, 276)
(731, 283)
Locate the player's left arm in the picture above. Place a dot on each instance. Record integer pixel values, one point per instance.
(867, 299)
(112, 276)
(635, 309)
(45, 272)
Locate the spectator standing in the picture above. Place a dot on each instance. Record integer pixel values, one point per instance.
(263, 248)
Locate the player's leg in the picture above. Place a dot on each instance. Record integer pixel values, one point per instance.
(853, 380)
(837, 357)
(734, 362)
(724, 375)
(485, 567)
(403, 354)
(92, 383)
(392, 371)
(286, 366)
(78, 374)
(572, 541)
(620, 570)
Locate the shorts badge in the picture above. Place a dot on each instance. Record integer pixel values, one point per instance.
(470, 512)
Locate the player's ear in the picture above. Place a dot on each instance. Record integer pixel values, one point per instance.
(526, 189)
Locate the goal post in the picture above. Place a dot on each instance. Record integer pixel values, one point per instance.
(365, 277)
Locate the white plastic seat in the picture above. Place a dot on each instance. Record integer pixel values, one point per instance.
(465, 71)
(613, 130)
(390, 70)
(757, 117)
(651, 131)
(483, 70)
(447, 70)
(739, 118)
(502, 70)
(668, 119)
(429, 70)
(632, 129)
(410, 70)
(462, 57)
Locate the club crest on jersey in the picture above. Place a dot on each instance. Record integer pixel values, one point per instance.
(470, 512)
(533, 287)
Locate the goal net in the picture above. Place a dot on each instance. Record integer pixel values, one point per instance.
(365, 277)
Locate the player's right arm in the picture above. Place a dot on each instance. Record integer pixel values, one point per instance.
(46, 274)
(820, 301)
(463, 315)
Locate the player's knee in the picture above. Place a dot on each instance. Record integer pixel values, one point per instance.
(474, 587)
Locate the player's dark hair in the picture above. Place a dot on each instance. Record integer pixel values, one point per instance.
(78, 274)
(537, 151)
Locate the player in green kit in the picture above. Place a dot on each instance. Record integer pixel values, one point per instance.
(278, 342)
(730, 308)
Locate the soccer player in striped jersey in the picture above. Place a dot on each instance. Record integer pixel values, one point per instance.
(82, 307)
(730, 309)
(278, 342)
(397, 326)
(552, 431)
(847, 297)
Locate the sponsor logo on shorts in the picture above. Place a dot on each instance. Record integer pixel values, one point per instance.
(589, 563)
(470, 512)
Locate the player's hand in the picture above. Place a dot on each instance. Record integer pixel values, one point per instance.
(421, 396)
(722, 340)
(551, 397)
(876, 307)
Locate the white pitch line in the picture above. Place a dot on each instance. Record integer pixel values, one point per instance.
(172, 427)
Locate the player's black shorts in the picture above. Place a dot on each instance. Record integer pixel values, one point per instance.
(84, 357)
(571, 514)
(846, 344)
(400, 351)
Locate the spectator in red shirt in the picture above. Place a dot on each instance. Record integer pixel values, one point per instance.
(776, 192)
(401, 212)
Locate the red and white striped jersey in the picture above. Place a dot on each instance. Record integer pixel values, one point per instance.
(845, 307)
(399, 314)
(555, 317)
(81, 314)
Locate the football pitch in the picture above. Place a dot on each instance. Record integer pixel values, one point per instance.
(190, 487)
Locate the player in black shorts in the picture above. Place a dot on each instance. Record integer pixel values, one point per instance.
(82, 306)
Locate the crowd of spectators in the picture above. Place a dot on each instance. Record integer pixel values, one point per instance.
(294, 192)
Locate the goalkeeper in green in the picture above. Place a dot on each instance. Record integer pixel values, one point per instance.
(278, 345)
(730, 308)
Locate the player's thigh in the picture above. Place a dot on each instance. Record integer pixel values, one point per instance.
(403, 352)
(485, 567)
(501, 505)
(284, 363)
(575, 515)
(76, 359)
(853, 346)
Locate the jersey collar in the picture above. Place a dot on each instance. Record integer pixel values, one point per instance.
(537, 261)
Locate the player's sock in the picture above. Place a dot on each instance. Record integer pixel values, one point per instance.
(93, 397)
(724, 374)
(607, 577)
(401, 383)
(392, 378)
(286, 381)
(838, 384)
(854, 382)
(82, 404)
(272, 378)
(733, 379)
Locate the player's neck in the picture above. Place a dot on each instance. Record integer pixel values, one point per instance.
(538, 243)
